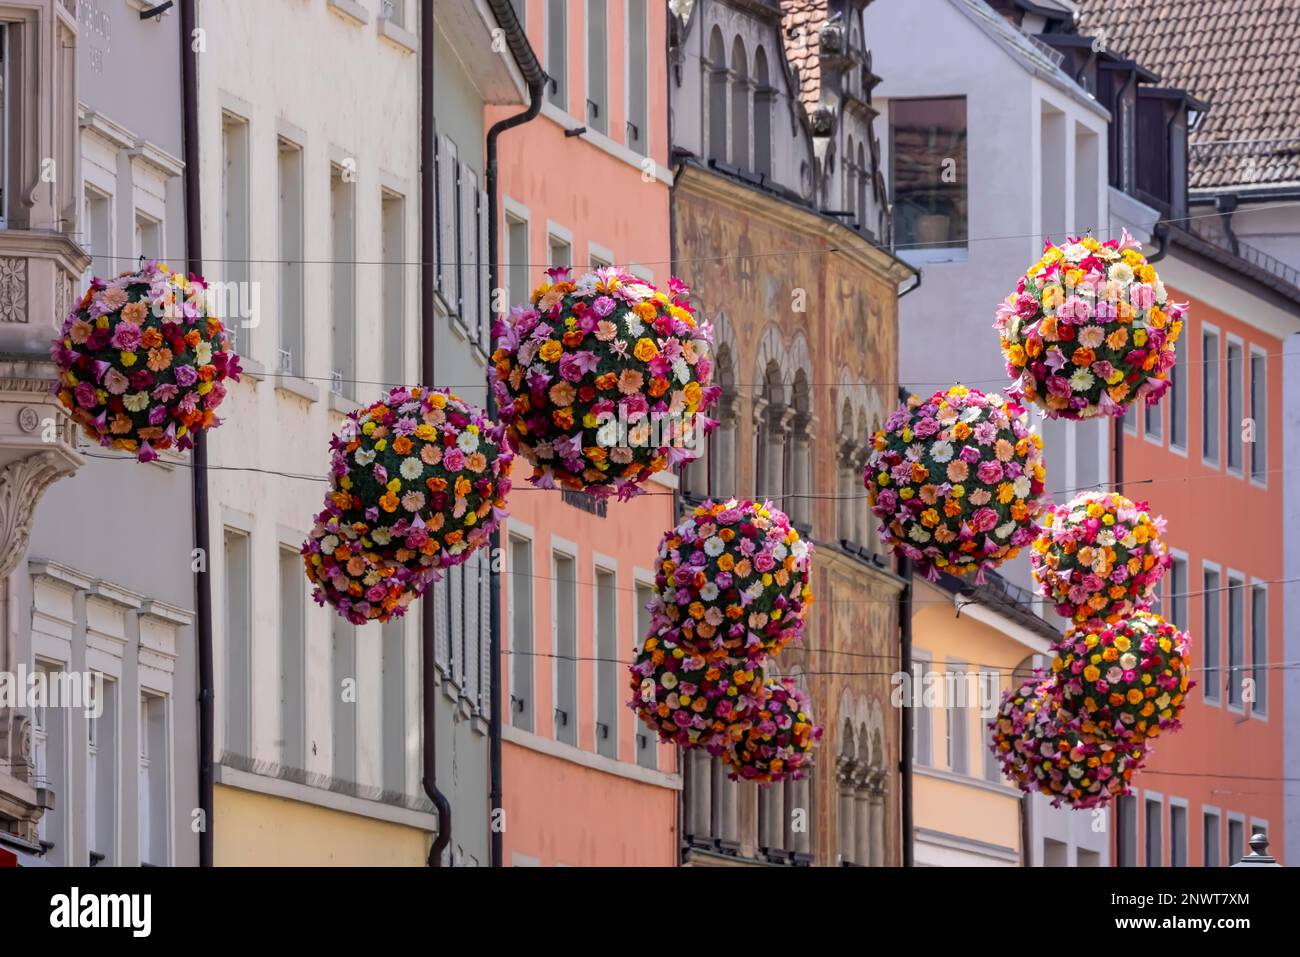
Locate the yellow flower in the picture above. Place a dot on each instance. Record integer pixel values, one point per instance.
(128, 358)
(551, 351)
(645, 349)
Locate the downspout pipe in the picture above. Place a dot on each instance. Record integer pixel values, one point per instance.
(428, 279)
(536, 79)
(906, 757)
(199, 473)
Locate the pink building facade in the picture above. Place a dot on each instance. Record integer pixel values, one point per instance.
(578, 768)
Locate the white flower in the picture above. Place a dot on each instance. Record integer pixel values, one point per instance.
(709, 591)
(682, 370)
(411, 468)
(714, 546)
(381, 536)
(1161, 295)
(1021, 486)
(1128, 660)
(585, 284)
(364, 456)
(1075, 252)
(780, 551)
(1106, 538)
(203, 353)
(136, 401)
(467, 441)
(637, 291)
(1082, 380)
(668, 679)
(918, 535)
(634, 325)
(1004, 530)
(941, 452)
(799, 549)
(1121, 272)
(329, 544)
(972, 413)
(1129, 541)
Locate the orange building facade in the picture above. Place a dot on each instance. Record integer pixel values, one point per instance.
(577, 573)
(1209, 459)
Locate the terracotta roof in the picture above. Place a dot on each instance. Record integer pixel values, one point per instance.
(802, 22)
(1242, 56)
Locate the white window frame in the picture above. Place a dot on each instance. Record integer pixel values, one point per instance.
(1252, 353)
(555, 231)
(1216, 464)
(586, 67)
(1227, 836)
(562, 80)
(627, 79)
(1176, 555)
(1240, 579)
(1158, 799)
(513, 209)
(569, 549)
(595, 251)
(1187, 830)
(602, 563)
(1217, 701)
(1249, 640)
(521, 532)
(1181, 374)
(926, 661)
(1230, 428)
(1210, 810)
(641, 577)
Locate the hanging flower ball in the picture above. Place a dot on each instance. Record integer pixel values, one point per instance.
(690, 699)
(1127, 680)
(422, 474)
(733, 578)
(957, 481)
(1099, 557)
(1089, 329)
(352, 574)
(602, 381)
(1043, 750)
(143, 361)
(780, 740)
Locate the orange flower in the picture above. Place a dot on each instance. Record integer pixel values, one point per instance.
(401, 445)
(1083, 357)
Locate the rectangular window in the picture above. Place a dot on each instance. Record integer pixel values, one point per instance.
(343, 671)
(598, 65)
(99, 229)
(49, 756)
(448, 220)
(392, 678)
(565, 579)
(1259, 647)
(993, 685)
(560, 251)
(557, 52)
(1177, 835)
(521, 633)
(101, 780)
(456, 619)
(1051, 163)
(291, 252)
(608, 668)
(1236, 840)
(148, 237)
(517, 271)
(1211, 426)
(293, 661)
(152, 795)
(1236, 383)
(1259, 416)
(1210, 838)
(647, 749)
(1177, 401)
(236, 242)
(1131, 419)
(1174, 590)
(1126, 809)
(1154, 833)
(394, 11)
(955, 711)
(393, 287)
(1153, 419)
(1236, 640)
(1211, 628)
(921, 727)
(343, 244)
(929, 174)
(239, 623)
(638, 41)
(473, 632)
(467, 226)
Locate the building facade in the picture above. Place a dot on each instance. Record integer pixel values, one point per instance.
(95, 590)
(805, 322)
(576, 762)
(311, 200)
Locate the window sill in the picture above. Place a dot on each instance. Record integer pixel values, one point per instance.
(342, 405)
(934, 256)
(320, 797)
(251, 369)
(349, 10)
(589, 759)
(299, 388)
(403, 39)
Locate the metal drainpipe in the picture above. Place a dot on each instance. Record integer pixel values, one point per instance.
(905, 664)
(536, 95)
(199, 472)
(428, 255)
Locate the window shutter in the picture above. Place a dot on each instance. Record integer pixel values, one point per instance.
(468, 246)
(485, 293)
(448, 203)
(441, 653)
(472, 657)
(485, 585)
(456, 585)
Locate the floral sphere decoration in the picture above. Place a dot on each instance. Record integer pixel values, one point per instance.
(1050, 755)
(602, 380)
(733, 578)
(691, 700)
(957, 481)
(1127, 680)
(355, 576)
(143, 361)
(1099, 556)
(1089, 329)
(418, 481)
(779, 741)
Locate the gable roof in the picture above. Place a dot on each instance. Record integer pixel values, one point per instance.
(802, 22)
(1243, 57)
